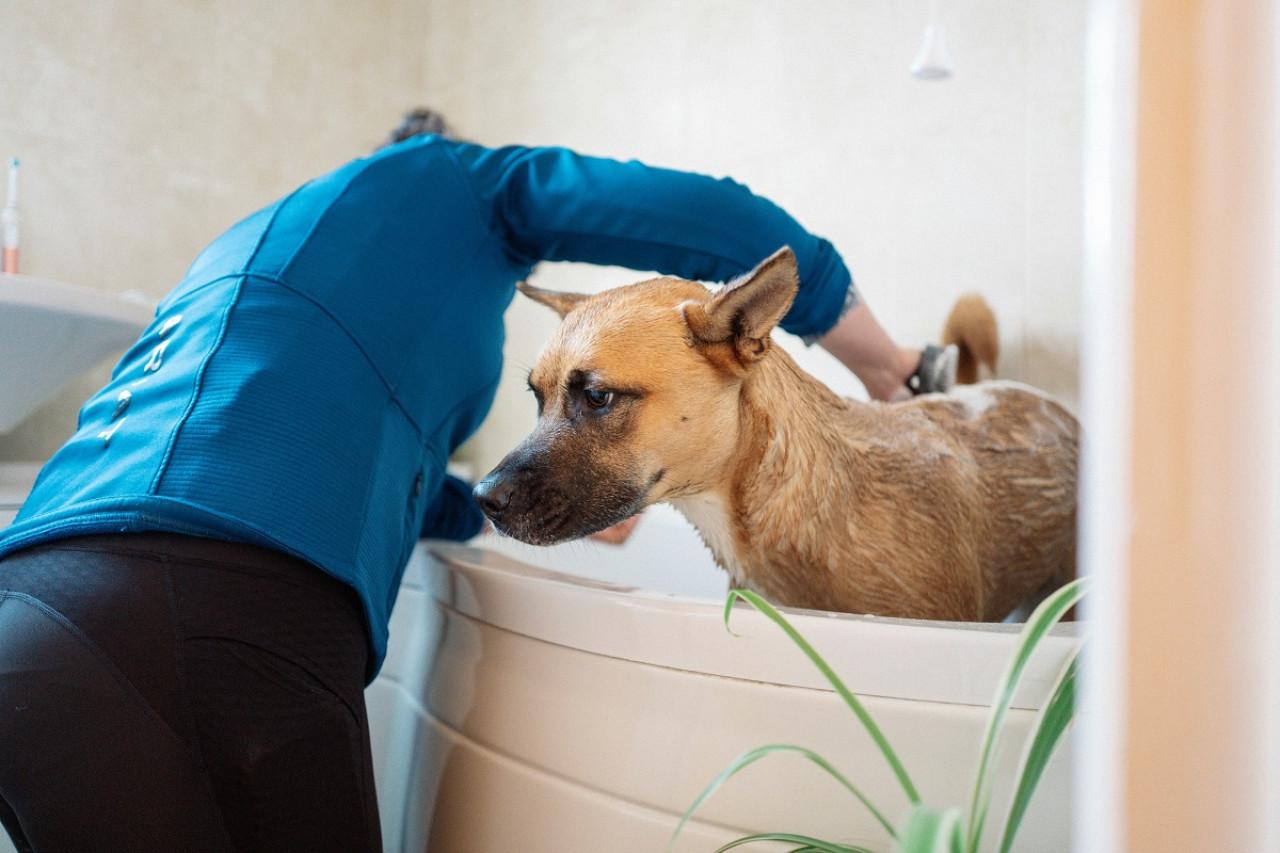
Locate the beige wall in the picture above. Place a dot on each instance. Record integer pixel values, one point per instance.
(147, 127)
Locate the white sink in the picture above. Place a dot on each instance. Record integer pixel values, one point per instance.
(50, 333)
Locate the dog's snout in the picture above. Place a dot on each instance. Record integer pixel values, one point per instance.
(538, 495)
(493, 494)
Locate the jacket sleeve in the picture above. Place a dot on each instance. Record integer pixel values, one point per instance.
(554, 204)
(454, 513)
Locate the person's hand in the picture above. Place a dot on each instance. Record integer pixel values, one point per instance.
(617, 534)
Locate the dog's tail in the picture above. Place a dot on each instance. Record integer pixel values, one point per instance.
(971, 326)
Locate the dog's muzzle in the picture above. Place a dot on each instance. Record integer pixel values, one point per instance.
(529, 505)
(493, 494)
(544, 504)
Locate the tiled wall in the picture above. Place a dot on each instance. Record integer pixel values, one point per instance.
(146, 126)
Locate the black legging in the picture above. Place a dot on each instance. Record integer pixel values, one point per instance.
(168, 693)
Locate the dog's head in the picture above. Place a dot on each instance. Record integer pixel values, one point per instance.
(637, 400)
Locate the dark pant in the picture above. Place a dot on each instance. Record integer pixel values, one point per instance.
(168, 693)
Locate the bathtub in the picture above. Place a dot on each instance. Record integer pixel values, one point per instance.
(578, 698)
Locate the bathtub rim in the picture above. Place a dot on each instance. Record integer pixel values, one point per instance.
(951, 662)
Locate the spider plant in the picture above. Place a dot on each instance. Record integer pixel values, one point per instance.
(927, 828)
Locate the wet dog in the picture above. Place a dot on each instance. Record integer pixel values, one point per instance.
(955, 506)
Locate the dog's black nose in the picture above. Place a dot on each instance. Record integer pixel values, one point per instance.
(493, 493)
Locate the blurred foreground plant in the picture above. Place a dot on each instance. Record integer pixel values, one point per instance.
(929, 829)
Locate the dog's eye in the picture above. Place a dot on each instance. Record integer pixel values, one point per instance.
(596, 398)
(537, 395)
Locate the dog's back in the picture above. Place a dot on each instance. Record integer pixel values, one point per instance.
(1030, 446)
(1021, 448)
(967, 499)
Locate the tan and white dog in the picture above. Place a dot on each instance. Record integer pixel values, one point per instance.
(954, 506)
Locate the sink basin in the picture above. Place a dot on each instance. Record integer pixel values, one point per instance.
(51, 332)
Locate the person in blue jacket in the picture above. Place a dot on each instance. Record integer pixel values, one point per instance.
(197, 590)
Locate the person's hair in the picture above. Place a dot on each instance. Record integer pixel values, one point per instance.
(418, 121)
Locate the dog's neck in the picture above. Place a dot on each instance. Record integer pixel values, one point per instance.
(791, 428)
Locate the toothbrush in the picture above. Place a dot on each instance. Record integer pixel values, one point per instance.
(9, 221)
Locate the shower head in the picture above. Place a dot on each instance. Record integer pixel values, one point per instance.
(932, 61)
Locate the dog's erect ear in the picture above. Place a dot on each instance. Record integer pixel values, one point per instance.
(561, 303)
(745, 311)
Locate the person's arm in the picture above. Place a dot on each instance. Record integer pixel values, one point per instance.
(554, 204)
(454, 514)
(863, 346)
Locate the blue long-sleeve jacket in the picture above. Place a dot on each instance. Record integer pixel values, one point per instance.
(304, 385)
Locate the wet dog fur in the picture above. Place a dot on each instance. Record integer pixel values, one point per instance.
(956, 507)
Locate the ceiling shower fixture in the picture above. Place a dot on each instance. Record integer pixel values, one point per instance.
(932, 61)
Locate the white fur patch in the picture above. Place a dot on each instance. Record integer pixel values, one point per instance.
(706, 512)
(976, 399)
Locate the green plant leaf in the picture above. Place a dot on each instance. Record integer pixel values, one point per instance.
(845, 693)
(1042, 619)
(810, 844)
(930, 830)
(1051, 724)
(756, 754)
(927, 829)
